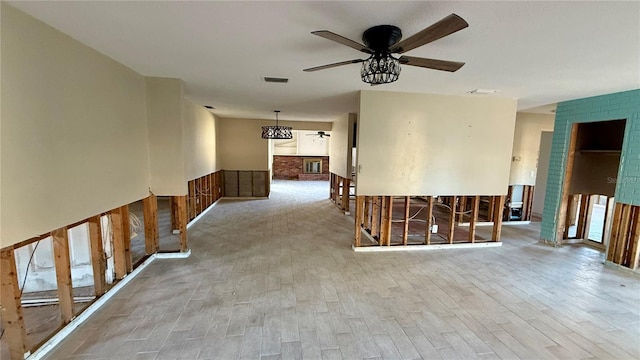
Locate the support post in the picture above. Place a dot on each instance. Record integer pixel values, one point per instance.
(63, 273)
(98, 260)
(10, 300)
(497, 220)
(181, 205)
(150, 209)
(429, 216)
(452, 219)
(473, 219)
(407, 207)
(615, 228)
(359, 220)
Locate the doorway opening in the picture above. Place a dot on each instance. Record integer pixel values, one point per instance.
(590, 182)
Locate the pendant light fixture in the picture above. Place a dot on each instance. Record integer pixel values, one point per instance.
(277, 131)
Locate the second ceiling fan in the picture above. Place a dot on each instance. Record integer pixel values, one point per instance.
(381, 41)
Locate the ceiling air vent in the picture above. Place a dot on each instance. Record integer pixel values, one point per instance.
(276, 80)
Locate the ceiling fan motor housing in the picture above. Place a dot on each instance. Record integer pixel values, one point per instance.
(380, 38)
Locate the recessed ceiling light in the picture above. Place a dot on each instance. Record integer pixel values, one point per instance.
(275, 79)
(483, 91)
(209, 107)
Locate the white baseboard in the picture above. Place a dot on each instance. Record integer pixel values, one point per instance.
(375, 248)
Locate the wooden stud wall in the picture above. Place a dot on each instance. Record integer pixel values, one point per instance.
(10, 293)
(203, 192)
(10, 300)
(623, 246)
(339, 191)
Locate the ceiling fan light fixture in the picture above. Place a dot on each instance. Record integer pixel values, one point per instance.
(380, 69)
(276, 131)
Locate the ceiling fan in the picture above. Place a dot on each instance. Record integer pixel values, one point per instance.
(381, 41)
(320, 134)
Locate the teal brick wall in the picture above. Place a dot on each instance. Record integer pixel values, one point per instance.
(622, 105)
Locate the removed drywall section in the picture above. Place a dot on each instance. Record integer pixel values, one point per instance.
(199, 140)
(426, 144)
(74, 130)
(526, 143)
(240, 144)
(166, 152)
(340, 145)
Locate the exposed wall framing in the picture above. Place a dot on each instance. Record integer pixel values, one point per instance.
(519, 210)
(623, 246)
(203, 192)
(340, 191)
(11, 296)
(423, 220)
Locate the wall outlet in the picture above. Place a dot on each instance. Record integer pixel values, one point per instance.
(434, 228)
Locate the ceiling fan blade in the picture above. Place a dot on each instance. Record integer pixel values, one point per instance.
(442, 28)
(443, 65)
(328, 66)
(342, 40)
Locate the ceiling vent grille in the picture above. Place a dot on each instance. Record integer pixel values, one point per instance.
(276, 80)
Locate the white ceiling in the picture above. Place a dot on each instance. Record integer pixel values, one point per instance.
(537, 52)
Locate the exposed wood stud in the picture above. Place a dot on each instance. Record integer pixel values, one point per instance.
(508, 201)
(174, 214)
(407, 207)
(462, 208)
(383, 221)
(126, 226)
(192, 199)
(375, 217)
(117, 229)
(367, 211)
(63, 273)
(388, 218)
(98, 260)
(11, 305)
(359, 219)
(473, 217)
(615, 228)
(452, 219)
(345, 195)
(582, 216)
(181, 202)
(150, 209)
(566, 185)
(623, 234)
(492, 207)
(524, 213)
(634, 238)
(429, 218)
(497, 220)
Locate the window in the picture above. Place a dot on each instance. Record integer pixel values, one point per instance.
(312, 166)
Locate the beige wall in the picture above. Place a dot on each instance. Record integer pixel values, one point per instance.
(166, 151)
(199, 140)
(74, 130)
(240, 145)
(544, 157)
(526, 144)
(421, 144)
(340, 145)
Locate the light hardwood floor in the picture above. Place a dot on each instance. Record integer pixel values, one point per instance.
(277, 279)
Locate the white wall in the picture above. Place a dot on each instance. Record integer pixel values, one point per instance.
(421, 144)
(310, 144)
(544, 156)
(340, 146)
(199, 141)
(166, 152)
(526, 143)
(74, 130)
